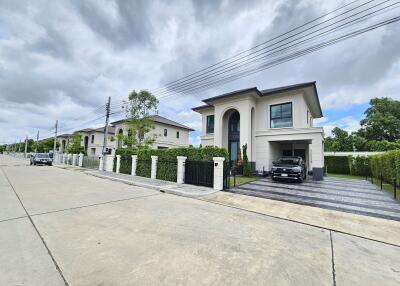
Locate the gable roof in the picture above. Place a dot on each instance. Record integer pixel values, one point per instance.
(262, 93)
(159, 119)
(111, 130)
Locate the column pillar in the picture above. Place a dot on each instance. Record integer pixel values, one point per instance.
(317, 159)
(218, 173)
(118, 166)
(101, 164)
(109, 161)
(154, 160)
(134, 164)
(80, 160)
(180, 176)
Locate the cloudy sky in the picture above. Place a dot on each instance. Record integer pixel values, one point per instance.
(62, 59)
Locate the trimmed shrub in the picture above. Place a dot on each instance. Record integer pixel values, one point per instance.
(359, 165)
(246, 165)
(337, 164)
(167, 162)
(387, 164)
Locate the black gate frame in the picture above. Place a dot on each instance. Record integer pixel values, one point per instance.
(199, 173)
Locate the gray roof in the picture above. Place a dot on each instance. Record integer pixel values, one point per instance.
(111, 130)
(265, 92)
(160, 119)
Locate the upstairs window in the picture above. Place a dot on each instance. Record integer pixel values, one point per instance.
(177, 134)
(210, 124)
(281, 115)
(165, 132)
(92, 140)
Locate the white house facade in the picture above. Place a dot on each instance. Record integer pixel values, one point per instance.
(92, 140)
(273, 123)
(168, 133)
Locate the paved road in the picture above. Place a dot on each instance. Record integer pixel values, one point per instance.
(346, 195)
(62, 227)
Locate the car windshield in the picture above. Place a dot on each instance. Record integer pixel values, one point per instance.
(42, 156)
(289, 161)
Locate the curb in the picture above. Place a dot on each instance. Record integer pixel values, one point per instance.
(171, 189)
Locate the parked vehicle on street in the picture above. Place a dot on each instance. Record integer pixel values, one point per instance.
(289, 168)
(41, 159)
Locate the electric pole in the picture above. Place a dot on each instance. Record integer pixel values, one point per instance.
(26, 145)
(108, 106)
(55, 139)
(37, 142)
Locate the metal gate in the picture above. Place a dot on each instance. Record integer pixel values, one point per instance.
(91, 162)
(200, 173)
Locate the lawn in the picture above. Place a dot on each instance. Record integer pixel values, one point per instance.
(239, 180)
(387, 187)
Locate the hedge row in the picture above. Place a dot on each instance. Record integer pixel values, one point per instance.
(387, 164)
(337, 164)
(167, 162)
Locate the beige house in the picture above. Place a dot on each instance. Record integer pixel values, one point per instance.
(273, 123)
(168, 133)
(63, 140)
(92, 139)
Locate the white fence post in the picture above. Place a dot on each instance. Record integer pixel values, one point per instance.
(154, 160)
(118, 164)
(109, 161)
(134, 164)
(218, 173)
(101, 164)
(180, 175)
(80, 160)
(74, 162)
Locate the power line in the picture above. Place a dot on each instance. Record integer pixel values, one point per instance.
(196, 83)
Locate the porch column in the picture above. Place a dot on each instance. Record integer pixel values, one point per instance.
(181, 169)
(218, 119)
(317, 159)
(218, 173)
(134, 164)
(245, 131)
(154, 160)
(118, 164)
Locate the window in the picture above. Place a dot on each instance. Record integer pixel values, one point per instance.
(281, 115)
(177, 134)
(92, 140)
(210, 124)
(165, 132)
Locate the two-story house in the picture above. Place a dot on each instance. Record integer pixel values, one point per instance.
(273, 123)
(92, 140)
(168, 133)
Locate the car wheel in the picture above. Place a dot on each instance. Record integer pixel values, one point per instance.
(50, 164)
(34, 163)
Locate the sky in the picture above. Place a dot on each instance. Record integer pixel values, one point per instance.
(63, 59)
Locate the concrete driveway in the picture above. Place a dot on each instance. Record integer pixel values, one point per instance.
(346, 195)
(62, 227)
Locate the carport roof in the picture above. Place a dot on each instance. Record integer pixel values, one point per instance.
(262, 93)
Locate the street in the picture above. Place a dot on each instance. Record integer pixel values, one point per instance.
(63, 227)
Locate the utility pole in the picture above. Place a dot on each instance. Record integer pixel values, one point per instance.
(108, 106)
(55, 139)
(37, 142)
(26, 145)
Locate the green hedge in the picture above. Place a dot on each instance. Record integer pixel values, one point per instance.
(359, 165)
(167, 162)
(337, 164)
(387, 164)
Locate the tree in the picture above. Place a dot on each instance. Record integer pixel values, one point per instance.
(246, 166)
(138, 109)
(382, 121)
(74, 146)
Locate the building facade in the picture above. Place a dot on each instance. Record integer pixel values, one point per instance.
(92, 140)
(273, 123)
(168, 133)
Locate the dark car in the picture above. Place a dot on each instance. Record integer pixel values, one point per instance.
(41, 159)
(289, 168)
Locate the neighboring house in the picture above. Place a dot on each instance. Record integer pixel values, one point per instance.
(168, 133)
(63, 140)
(92, 139)
(273, 123)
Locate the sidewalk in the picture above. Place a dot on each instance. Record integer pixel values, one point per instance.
(184, 190)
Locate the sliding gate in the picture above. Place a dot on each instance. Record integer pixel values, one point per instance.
(200, 173)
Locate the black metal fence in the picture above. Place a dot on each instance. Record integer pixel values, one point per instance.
(200, 173)
(91, 162)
